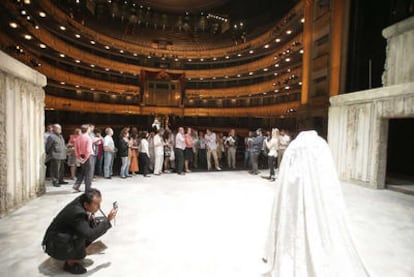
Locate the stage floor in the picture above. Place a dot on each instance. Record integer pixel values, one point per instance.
(201, 224)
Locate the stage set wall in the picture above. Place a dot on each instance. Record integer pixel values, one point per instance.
(358, 122)
(22, 169)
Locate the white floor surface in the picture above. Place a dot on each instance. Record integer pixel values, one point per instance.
(201, 224)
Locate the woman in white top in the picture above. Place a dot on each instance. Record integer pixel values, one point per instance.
(272, 144)
(309, 233)
(159, 152)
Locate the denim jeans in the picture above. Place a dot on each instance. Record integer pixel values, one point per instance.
(124, 167)
(108, 163)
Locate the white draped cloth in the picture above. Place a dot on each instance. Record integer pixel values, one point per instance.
(309, 233)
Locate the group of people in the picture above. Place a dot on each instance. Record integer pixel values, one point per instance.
(90, 153)
(308, 233)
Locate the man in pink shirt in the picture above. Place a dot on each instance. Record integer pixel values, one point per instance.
(83, 152)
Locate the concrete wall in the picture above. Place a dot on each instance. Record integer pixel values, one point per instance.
(21, 133)
(358, 122)
(358, 131)
(399, 64)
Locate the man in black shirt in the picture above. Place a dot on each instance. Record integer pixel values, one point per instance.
(74, 228)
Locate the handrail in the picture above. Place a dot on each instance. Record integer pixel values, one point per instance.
(75, 53)
(65, 104)
(242, 90)
(185, 53)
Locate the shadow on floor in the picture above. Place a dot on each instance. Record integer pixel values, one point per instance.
(53, 267)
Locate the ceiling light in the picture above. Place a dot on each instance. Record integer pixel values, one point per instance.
(63, 28)
(227, 57)
(277, 40)
(27, 2)
(302, 20)
(149, 57)
(77, 86)
(28, 37)
(202, 60)
(264, 93)
(107, 47)
(238, 75)
(23, 12)
(135, 54)
(287, 59)
(251, 73)
(62, 83)
(77, 61)
(92, 65)
(301, 51)
(42, 46)
(266, 46)
(288, 32)
(287, 87)
(251, 51)
(201, 78)
(37, 27)
(77, 35)
(214, 59)
(288, 70)
(214, 78)
(275, 74)
(276, 90)
(93, 42)
(28, 17)
(226, 77)
(300, 83)
(239, 55)
(106, 69)
(265, 69)
(13, 25)
(176, 59)
(189, 60)
(42, 14)
(92, 88)
(62, 55)
(121, 51)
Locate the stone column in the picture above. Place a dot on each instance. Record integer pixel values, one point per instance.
(399, 64)
(22, 167)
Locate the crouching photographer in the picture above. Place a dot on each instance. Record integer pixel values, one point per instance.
(74, 228)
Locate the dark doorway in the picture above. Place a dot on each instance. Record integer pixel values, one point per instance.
(400, 155)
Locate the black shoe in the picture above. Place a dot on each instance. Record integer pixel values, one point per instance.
(74, 269)
(63, 183)
(56, 184)
(108, 177)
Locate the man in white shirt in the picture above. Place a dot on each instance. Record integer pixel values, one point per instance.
(158, 151)
(231, 144)
(211, 143)
(109, 152)
(179, 151)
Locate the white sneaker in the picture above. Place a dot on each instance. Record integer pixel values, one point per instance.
(218, 168)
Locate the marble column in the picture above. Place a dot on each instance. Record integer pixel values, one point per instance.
(22, 167)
